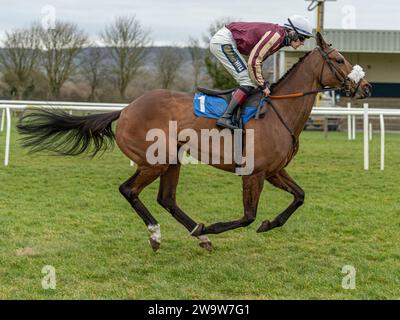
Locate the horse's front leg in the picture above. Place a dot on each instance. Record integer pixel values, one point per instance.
(283, 181)
(252, 187)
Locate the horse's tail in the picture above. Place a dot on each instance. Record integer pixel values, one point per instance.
(64, 134)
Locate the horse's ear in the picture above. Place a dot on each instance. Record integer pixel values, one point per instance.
(320, 40)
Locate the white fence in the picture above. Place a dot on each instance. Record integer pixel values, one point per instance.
(7, 106)
(351, 113)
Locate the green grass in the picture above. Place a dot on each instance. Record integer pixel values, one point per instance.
(71, 215)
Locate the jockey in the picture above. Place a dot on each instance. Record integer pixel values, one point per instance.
(258, 41)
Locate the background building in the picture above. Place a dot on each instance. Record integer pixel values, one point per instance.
(377, 51)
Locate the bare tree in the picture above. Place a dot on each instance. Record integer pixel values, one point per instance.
(60, 47)
(168, 63)
(19, 59)
(196, 57)
(126, 41)
(93, 68)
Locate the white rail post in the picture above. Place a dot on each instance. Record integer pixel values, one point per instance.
(282, 63)
(349, 122)
(131, 163)
(366, 141)
(353, 127)
(2, 119)
(382, 121)
(7, 151)
(275, 67)
(370, 131)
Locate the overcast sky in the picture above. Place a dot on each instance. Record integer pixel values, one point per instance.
(173, 21)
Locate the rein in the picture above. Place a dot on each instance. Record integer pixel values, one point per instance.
(335, 71)
(302, 94)
(341, 78)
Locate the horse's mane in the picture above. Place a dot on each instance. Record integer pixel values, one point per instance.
(274, 85)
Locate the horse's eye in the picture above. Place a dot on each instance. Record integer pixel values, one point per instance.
(340, 60)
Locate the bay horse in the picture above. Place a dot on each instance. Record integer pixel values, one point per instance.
(275, 140)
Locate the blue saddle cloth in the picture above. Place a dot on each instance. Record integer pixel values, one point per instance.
(213, 107)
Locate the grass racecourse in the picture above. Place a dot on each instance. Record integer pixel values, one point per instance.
(67, 213)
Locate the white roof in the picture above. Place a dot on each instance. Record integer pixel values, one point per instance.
(344, 40)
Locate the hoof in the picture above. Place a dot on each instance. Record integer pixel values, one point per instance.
(155, 245)
(198, 230)
(265, 226)
(207, 245)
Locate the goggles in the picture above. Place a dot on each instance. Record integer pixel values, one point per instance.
(302, 37)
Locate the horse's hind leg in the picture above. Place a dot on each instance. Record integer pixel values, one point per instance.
(167, 199)
(283, 181)
(252, 187)
(131, 189)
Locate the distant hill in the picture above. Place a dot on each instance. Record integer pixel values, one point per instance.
(153, 52)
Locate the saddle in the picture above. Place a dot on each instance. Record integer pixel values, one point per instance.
(249, 109)
(254, 99)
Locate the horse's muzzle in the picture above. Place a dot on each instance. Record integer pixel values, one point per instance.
(367, 90)
(364, 90)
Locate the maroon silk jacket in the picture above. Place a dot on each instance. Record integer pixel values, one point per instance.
(258, 40)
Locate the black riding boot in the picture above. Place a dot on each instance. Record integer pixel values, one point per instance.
(238, 97)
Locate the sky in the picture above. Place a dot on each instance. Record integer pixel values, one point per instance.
(172, 22)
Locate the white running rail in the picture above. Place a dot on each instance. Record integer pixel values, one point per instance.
(8, 105)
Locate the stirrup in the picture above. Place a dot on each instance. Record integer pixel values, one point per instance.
(229, 125)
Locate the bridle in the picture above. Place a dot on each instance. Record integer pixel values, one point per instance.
(343, 79)
(345, 86)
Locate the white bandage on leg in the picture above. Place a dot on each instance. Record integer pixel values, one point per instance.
(203, 239)
(356, 74)
(155, 232)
